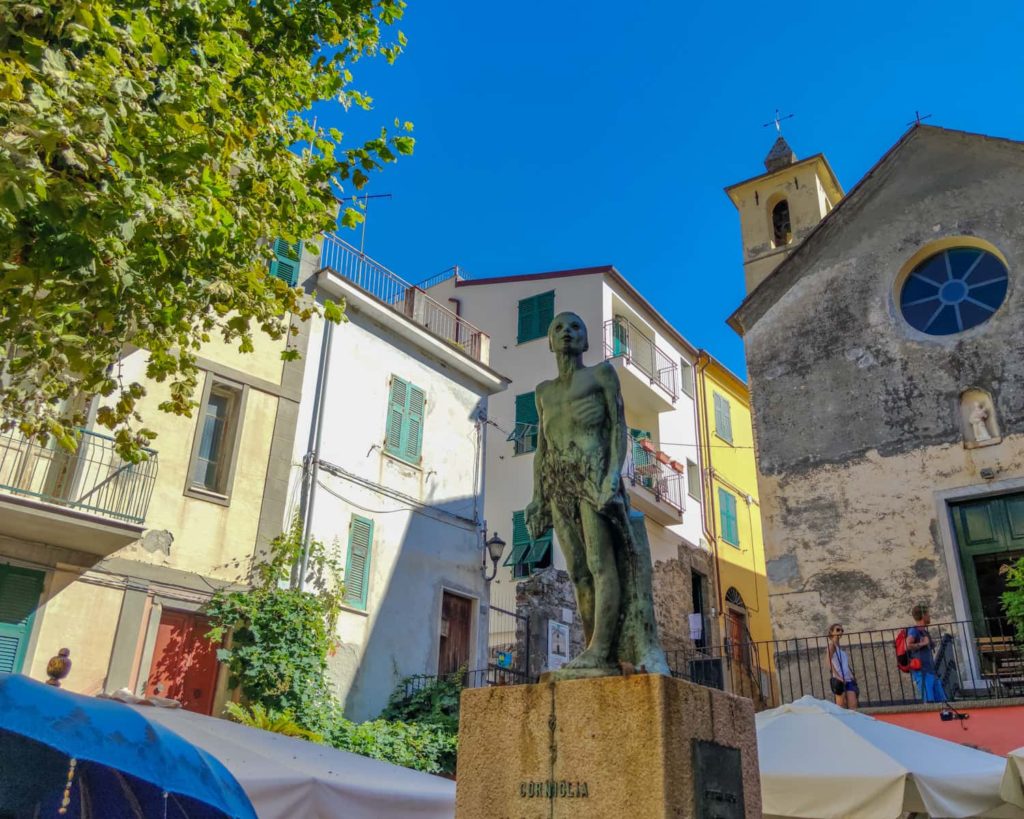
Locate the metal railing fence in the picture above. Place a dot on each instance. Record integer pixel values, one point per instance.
(642, 468)
(625, 339)
(481, 677)
(93, 479)
(412, 301)
(972, 660)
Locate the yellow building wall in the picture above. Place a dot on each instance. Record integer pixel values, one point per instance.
(733, 468)
(81, 614)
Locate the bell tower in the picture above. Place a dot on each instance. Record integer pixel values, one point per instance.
(780, 207)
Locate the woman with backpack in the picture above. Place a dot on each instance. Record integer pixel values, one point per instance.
(841, 679)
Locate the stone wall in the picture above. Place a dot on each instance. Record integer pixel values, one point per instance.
(548, 595)
(857, 415)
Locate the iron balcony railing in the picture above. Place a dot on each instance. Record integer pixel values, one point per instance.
(412, 301)
(624, 339)
(732, 667)
(492, 675)
(93, 479)
(642, 468)
(973, 660)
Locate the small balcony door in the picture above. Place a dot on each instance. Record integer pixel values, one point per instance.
(456, 631)
(184, 662)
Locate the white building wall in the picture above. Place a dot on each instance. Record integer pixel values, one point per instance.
(510, 476)
(426, 536)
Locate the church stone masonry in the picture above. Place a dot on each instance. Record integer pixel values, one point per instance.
(891, 459)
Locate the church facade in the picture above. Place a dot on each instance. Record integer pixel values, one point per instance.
(885, 347)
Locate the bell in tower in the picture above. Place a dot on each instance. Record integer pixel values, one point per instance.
(781, 206)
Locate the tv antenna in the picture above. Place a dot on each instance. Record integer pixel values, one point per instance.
(918, 119)
(777, 121)
(365, 199)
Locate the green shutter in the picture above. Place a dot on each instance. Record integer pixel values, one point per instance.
(520, 539)
(723, 418)
(357, 568)
(524, 550)
(545, 312)
(727, 517)
(403, 436)
(527, 320)
(538, 549)
(535, 314)
(19, 598)
(285, 265)
(414, 423)
(396, 416)
(525, 434)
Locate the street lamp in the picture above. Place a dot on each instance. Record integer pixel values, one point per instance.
(495, 546)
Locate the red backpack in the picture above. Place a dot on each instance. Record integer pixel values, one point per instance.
(904, 662)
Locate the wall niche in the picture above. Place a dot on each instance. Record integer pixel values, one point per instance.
(978, 419)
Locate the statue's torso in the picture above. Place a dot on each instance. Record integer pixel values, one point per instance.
(576, 413)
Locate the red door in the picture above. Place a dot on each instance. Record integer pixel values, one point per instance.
(184, 662)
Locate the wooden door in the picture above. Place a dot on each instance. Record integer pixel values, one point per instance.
(456, 629)
(184, 662)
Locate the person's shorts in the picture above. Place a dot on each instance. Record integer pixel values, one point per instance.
(851, 687)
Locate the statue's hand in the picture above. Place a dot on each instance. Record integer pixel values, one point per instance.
(608, 495)
(538, 518)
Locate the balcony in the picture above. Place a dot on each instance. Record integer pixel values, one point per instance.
(649, 376)
(654, 488)
(412, 301)
(89, 500)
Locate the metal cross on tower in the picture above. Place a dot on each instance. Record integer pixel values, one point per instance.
(777, 121)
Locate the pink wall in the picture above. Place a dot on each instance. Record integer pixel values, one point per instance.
(998, 730)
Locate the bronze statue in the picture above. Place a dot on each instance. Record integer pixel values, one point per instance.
(577, 487)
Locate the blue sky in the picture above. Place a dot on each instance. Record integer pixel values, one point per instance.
(561, 135)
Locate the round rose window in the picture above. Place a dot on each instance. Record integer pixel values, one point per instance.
(953, 290)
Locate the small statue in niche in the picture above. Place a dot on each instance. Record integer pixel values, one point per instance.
(978, 418)
(979, 422)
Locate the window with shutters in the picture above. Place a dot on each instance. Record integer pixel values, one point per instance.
(217, 440)
(285, 265)
(535, 314)
(524, 435)
(528, 556)
(686, 377)
(723, 418)
(19, 597)
(403, 437)
(693, 480)
(727, 517)
(357, 566)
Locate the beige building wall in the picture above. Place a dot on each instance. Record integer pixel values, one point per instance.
(105, 604)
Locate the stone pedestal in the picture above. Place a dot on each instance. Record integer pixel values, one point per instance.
(645, 746)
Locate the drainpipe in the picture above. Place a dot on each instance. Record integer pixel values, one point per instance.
(311, 463)
(704, 454)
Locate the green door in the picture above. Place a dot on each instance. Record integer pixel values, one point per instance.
(990, 534)
(19, 597)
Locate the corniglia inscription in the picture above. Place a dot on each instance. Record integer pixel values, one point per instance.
(553, 789)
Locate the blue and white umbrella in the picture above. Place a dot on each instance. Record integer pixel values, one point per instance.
(63, 753)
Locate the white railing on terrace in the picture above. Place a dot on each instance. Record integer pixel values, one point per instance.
(410, 300)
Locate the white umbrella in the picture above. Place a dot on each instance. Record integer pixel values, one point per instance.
(818, 760)
(1012, 787)
(286, 778)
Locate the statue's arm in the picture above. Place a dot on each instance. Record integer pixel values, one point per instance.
(617, 435)
(538, 513)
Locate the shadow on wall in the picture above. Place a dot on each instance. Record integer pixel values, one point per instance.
(405, 630)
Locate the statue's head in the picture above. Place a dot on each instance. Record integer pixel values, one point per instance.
(567, 333)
